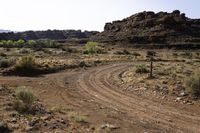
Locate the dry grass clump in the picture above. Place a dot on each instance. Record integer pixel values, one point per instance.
(193, 85)
(24, 100)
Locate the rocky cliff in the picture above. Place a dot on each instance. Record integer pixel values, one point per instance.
(49, 34)
(150, 27)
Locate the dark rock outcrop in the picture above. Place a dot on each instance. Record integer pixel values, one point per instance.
(150, 27)
(49, 34)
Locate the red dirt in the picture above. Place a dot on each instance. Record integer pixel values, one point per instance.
(95, 93)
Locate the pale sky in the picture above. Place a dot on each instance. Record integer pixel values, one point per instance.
(20, 15)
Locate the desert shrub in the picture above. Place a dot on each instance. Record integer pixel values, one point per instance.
(47, 51)
(78, 117)
(136, 54)
(5, 63)
(70, 50)
(24, 51)
(193, 85)
(50, 44)
(19, 43)
(31, 42)
(141, 68)
(24, 100)
(124, 52)
(187, 54)
(26, 63)
(151, 53)
(175, 54)
(82, 64)
(3, 54)
(90, 48)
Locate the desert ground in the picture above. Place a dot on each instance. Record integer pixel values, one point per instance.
(102, 92)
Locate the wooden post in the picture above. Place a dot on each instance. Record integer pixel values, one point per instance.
(151, 69)
(199, 83)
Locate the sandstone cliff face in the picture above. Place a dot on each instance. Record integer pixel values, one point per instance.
(49, 34)
(150, 27)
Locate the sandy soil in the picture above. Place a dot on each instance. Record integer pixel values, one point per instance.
(95, 93)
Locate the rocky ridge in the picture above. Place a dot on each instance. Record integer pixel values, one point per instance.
(149, 27)
(49, 34)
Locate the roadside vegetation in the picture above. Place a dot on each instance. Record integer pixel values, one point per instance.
(46, 43)
(24, 100)
(193, 85)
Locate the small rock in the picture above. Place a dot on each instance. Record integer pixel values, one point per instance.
(103, 126)
(164, 82)
(169, 120)
(33, 122)
(45, 118)
(178, 99)
(14, 126)
(29, 128)
(183, 94)
(14, 120)
(109, 126)
(190, 103)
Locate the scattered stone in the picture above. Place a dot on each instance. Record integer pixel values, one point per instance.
(14, 120)
(29, 128)
(178, 99)
(165, 82)
(182, 94)
(14, 126)
(170, 120)
(109, 126)
(45, 118)
(190, 103)
(33, 122)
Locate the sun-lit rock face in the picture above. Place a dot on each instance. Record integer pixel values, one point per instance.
(150, 27)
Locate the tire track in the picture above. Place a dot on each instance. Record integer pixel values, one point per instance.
(96, 84)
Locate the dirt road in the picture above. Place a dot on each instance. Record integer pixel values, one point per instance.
(94, 92)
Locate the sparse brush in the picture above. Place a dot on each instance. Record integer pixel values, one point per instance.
(151, 53)
(90, 48)
(78, 117)
(83, 64)
(26, 63)
(136, 54)
(3, 54)
(4, 63)
(124, 52)
(24, 99)
(25, 95)
(142, 68)
(193, 85)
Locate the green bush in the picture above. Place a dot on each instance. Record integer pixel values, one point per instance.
(90, 48)
(26, 63)
(4, 63)
(193, 85)
(24, 99)
(142, 68)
